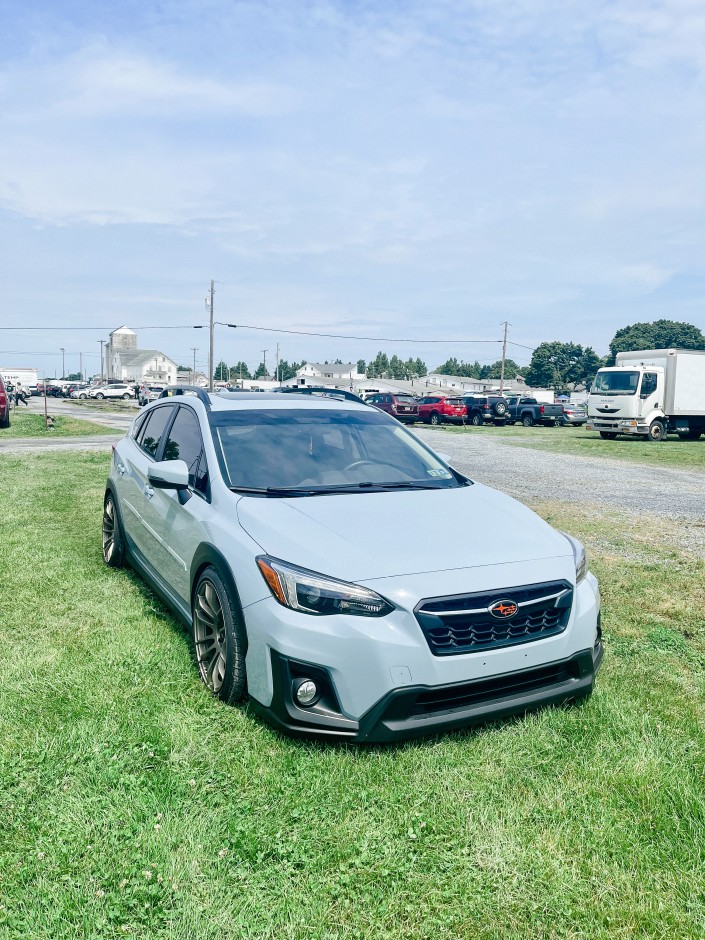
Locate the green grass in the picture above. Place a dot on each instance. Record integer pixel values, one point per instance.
(135, 805)
(673, 452)
(29, 424)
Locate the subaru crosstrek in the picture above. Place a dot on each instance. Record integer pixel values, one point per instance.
(336, 570)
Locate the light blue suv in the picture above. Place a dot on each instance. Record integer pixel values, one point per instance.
(335, 569)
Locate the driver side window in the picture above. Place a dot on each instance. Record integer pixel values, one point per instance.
(648, 384)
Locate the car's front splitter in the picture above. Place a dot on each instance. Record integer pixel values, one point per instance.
(417, 710)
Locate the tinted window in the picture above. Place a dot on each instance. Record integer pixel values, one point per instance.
(406, 399)
(153, 430)
(138, 425)
(648, 384)
(301, 449)
(185, 443)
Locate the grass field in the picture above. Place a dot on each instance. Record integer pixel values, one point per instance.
(29, 424)
(134, 805)
(672, 452)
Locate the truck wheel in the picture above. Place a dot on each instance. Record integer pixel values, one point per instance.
(436, 418)
(476, 420)
(527, 421)
(608, 435)
(657, 431)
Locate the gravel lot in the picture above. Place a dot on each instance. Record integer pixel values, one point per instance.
(677, 495)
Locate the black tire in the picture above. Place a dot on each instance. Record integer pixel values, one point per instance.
(436, 418)
(476, 420)
(657, 431)
(608, 435)
(100, 395)
(527, 421)
(82, 395)
(5, 423)
(219, 638)
(113, 538)
(562, 422)
(125, 396)
(500, 408)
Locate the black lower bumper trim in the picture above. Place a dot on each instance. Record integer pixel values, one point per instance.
(417, 710)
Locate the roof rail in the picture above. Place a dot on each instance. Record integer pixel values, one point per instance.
(196, 390)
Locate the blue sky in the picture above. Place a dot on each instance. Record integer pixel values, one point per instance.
(387, 169)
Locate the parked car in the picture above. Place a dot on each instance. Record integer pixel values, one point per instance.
(114, 390)
(529, 411)
(274, 526)
(69, 390)
(573, 414)
(150, 393)
(4, 406)
(486, 408)
(83, 392)
(436, 410)
(403, 407)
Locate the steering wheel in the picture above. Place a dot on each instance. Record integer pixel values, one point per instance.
(360, 463)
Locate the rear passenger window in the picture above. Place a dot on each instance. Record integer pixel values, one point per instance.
(152, 431)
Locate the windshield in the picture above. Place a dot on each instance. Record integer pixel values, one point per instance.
(615, 383)
(323, 451)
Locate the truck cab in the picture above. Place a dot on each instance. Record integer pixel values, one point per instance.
(627, 400)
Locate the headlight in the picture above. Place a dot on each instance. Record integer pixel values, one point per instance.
(581, 565)
(312, 593)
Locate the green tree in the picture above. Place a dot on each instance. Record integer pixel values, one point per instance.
(222, 373)
(361, 366)
(288, 370)
(261, 371)
(184, 368)
(661, 334)
(494, 371)
(561, 365)
(239, 370)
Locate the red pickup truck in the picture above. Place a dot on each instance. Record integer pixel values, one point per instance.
(435, 409)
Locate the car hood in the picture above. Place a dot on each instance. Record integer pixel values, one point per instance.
(359, 537)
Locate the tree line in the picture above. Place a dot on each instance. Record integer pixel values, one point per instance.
(557, 365)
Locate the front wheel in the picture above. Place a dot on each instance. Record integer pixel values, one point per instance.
(657, 431)
(219, 638)
(608, 435)
(527, 421)
(113, 539)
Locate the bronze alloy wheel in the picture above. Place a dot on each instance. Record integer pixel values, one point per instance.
(113, 543)
(218, 638)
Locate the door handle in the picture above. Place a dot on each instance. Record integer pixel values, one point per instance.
(148, 492)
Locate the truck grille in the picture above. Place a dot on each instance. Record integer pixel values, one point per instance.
(463, 623)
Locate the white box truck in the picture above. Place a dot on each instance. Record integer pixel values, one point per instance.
(650, 393)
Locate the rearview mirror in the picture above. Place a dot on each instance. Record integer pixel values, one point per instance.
(168, 475)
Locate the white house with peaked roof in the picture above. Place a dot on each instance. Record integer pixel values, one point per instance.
(126, 363)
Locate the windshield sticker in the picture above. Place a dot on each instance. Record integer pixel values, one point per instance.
(441, 472)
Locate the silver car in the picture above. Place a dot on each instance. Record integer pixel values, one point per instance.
(335, 569)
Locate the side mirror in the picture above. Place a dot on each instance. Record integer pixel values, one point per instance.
(168, 475)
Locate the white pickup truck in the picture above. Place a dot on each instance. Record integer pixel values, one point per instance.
(649, 393)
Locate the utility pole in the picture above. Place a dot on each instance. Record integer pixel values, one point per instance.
(194, 350)
(276, 374)
(101, 341)
(264, 361)
(80, 365)
(63, 364)
(210, 352)
(504, 357)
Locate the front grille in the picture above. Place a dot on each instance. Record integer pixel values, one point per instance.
(463, 623)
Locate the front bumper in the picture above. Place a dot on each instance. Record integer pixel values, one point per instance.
(621, 426)
(418, 710)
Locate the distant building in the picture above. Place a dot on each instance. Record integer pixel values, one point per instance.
(124, 362)
(340, 372)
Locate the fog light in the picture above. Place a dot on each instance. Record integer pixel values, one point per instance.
(306, 692)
